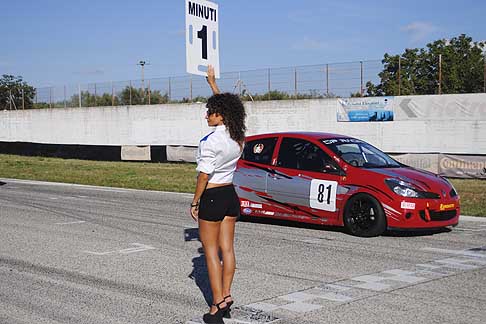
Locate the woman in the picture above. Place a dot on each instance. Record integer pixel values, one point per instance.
(215, 205)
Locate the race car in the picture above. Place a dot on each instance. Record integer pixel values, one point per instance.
(333, 179)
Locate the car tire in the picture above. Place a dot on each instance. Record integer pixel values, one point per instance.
(364, 216)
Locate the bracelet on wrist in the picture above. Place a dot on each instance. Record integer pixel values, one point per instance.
(195, 205)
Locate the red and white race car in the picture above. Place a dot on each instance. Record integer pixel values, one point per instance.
(338, 180)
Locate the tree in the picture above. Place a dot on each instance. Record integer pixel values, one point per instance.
(462, 69)
(12, 89)
(139, 96)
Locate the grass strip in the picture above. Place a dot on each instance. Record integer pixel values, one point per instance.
(178, 177)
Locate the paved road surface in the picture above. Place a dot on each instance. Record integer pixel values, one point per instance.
(79, 254)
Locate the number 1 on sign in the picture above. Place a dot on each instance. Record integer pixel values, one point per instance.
(203, 35)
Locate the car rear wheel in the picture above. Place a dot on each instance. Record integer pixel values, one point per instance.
(364, 216)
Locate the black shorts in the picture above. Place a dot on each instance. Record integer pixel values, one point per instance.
(218, 202)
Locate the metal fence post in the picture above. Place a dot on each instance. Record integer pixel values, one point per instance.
(295, 82)
(484, 81)
(440, 73)
(50, 97)
(10, 98)
(96, 104)
(327, 80)
(169, 92)
(130, 93)
(23, 99)
(361, 79)
(239, 82)
(190, 88)
(79, 95)
(399, 75)
(112, 95)
(269, 83)
(149, 92)
(64, 96)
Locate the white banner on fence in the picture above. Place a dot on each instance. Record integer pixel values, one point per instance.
(202, 37)
(181, 153)
(135, 153)
(365, 109)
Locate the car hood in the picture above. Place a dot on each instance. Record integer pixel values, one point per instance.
(423, 180)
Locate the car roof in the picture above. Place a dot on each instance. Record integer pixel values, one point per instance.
(311, 135)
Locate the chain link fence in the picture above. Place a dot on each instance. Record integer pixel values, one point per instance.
(300, 82)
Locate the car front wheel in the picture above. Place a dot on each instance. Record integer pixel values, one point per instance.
(364, 216)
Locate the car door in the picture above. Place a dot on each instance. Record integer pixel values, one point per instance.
(250, 177)
(304, 179)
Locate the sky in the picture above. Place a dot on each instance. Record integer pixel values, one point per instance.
(54, 43)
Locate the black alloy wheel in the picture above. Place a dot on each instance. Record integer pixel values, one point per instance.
(364, 216)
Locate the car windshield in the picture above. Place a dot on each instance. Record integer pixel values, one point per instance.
(360, 154)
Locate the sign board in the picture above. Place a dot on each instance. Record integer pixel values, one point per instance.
(365, 109)
(202, 37)
(135, 153)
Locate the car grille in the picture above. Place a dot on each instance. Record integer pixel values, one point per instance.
(428, 195)
(439, 215)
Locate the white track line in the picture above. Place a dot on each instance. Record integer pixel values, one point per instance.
(110, 189)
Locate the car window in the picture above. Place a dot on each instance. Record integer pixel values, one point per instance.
(360, 154)
(300, 154)
(259, 151)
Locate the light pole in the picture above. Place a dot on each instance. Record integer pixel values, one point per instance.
(142, 64)
(484, 73)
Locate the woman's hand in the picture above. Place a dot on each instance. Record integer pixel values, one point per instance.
(194, 212)
(211, 78)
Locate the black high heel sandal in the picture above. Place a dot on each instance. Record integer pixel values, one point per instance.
(227, 314)
(216, 318)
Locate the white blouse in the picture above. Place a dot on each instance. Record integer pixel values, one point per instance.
(217, 155)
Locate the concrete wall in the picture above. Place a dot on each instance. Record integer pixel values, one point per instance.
(423, 124)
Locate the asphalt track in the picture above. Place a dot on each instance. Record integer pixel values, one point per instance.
(80, 254)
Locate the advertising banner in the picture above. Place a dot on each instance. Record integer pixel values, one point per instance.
(462, 166)
(365, 109)
(428, 162)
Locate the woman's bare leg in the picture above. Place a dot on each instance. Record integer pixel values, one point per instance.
(209, 235)
(226, 244)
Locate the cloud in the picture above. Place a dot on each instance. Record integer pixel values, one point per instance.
(419, 30)
(309, 44)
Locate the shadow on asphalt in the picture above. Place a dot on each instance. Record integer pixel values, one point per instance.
(418, 232)
(199, 268)
(339, 229)
(2, 183)
(288, 223)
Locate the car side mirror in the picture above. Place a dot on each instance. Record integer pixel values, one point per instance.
(331, 168)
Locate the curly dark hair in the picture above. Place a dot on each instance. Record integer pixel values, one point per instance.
(231, 108)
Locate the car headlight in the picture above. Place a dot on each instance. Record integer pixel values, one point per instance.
(453, 191)
(402, 188)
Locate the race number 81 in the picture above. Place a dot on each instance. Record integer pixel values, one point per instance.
(323, 195)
